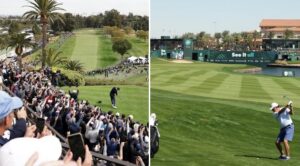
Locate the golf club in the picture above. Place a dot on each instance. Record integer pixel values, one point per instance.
(286, 97)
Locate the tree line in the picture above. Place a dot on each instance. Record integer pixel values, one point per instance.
(108, 18)
(232, 41)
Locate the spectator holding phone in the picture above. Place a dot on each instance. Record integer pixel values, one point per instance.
(18, 114)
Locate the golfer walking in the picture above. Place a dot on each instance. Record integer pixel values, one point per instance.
(113, 93)
(283, 116)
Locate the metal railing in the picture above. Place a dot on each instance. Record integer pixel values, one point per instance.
(96, 156)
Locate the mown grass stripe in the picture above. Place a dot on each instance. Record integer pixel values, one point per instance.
(288, 86)
(85, 49)
(164, 73)
(251, 88)
(181, 78)
(210, 83)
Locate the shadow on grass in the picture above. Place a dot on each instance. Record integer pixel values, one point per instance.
(257, 157)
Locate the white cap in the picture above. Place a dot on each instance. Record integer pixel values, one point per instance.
(130, 116)
(153, 115)
(117, 114)
(18, 151)
(273, 105)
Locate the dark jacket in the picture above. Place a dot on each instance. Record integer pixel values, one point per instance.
(18, 130)
(113, 91)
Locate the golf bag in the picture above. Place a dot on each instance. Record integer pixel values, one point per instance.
(154, 140)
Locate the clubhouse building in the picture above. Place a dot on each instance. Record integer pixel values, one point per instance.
(274, 34)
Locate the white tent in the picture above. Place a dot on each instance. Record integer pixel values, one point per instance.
(132, 59)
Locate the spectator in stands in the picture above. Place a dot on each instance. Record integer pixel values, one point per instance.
(8, 129)
(68, 115)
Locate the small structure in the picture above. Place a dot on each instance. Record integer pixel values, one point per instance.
(288, 73)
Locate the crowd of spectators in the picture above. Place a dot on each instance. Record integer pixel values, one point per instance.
(125, 66)
(112, 134)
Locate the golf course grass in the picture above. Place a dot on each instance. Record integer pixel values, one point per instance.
(85, 48)
(209, 115)
(130, 100)
(94, 50)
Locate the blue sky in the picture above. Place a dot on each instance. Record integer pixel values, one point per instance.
(172, 17)
(86, 7)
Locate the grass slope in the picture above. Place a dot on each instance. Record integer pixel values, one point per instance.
(139, 47)
(131, 99)
(107, 56)
(211, 116)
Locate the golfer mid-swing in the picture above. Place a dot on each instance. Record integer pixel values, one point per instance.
(283, 116)
(113, 93)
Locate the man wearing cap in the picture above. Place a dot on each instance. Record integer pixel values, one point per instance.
(283, 116)
(7, 106)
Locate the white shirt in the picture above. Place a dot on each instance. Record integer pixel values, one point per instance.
(284, 118)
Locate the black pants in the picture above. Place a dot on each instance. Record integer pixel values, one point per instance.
(113, 100)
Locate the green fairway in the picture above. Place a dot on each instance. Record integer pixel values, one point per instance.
(211, 116)
(131, 99)
(85, 49)
(94, 50)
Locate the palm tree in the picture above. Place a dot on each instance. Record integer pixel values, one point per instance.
(3, 41)
(200, 39)
(256, 34)
(236, 40)
(53, 57)
(74, 65)
(218, 36)
(226, 39)
(19, 42)
(46, 12)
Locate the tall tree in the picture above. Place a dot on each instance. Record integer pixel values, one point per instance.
(69, 22)
(121, 46)
(14, 28)
(142, 34)
(236, 40)
(218, 36)
(3, 41)
(226, 38)
(256, 35)
(188, 35)
(19, 42)
(46, 11)
(112, 18)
